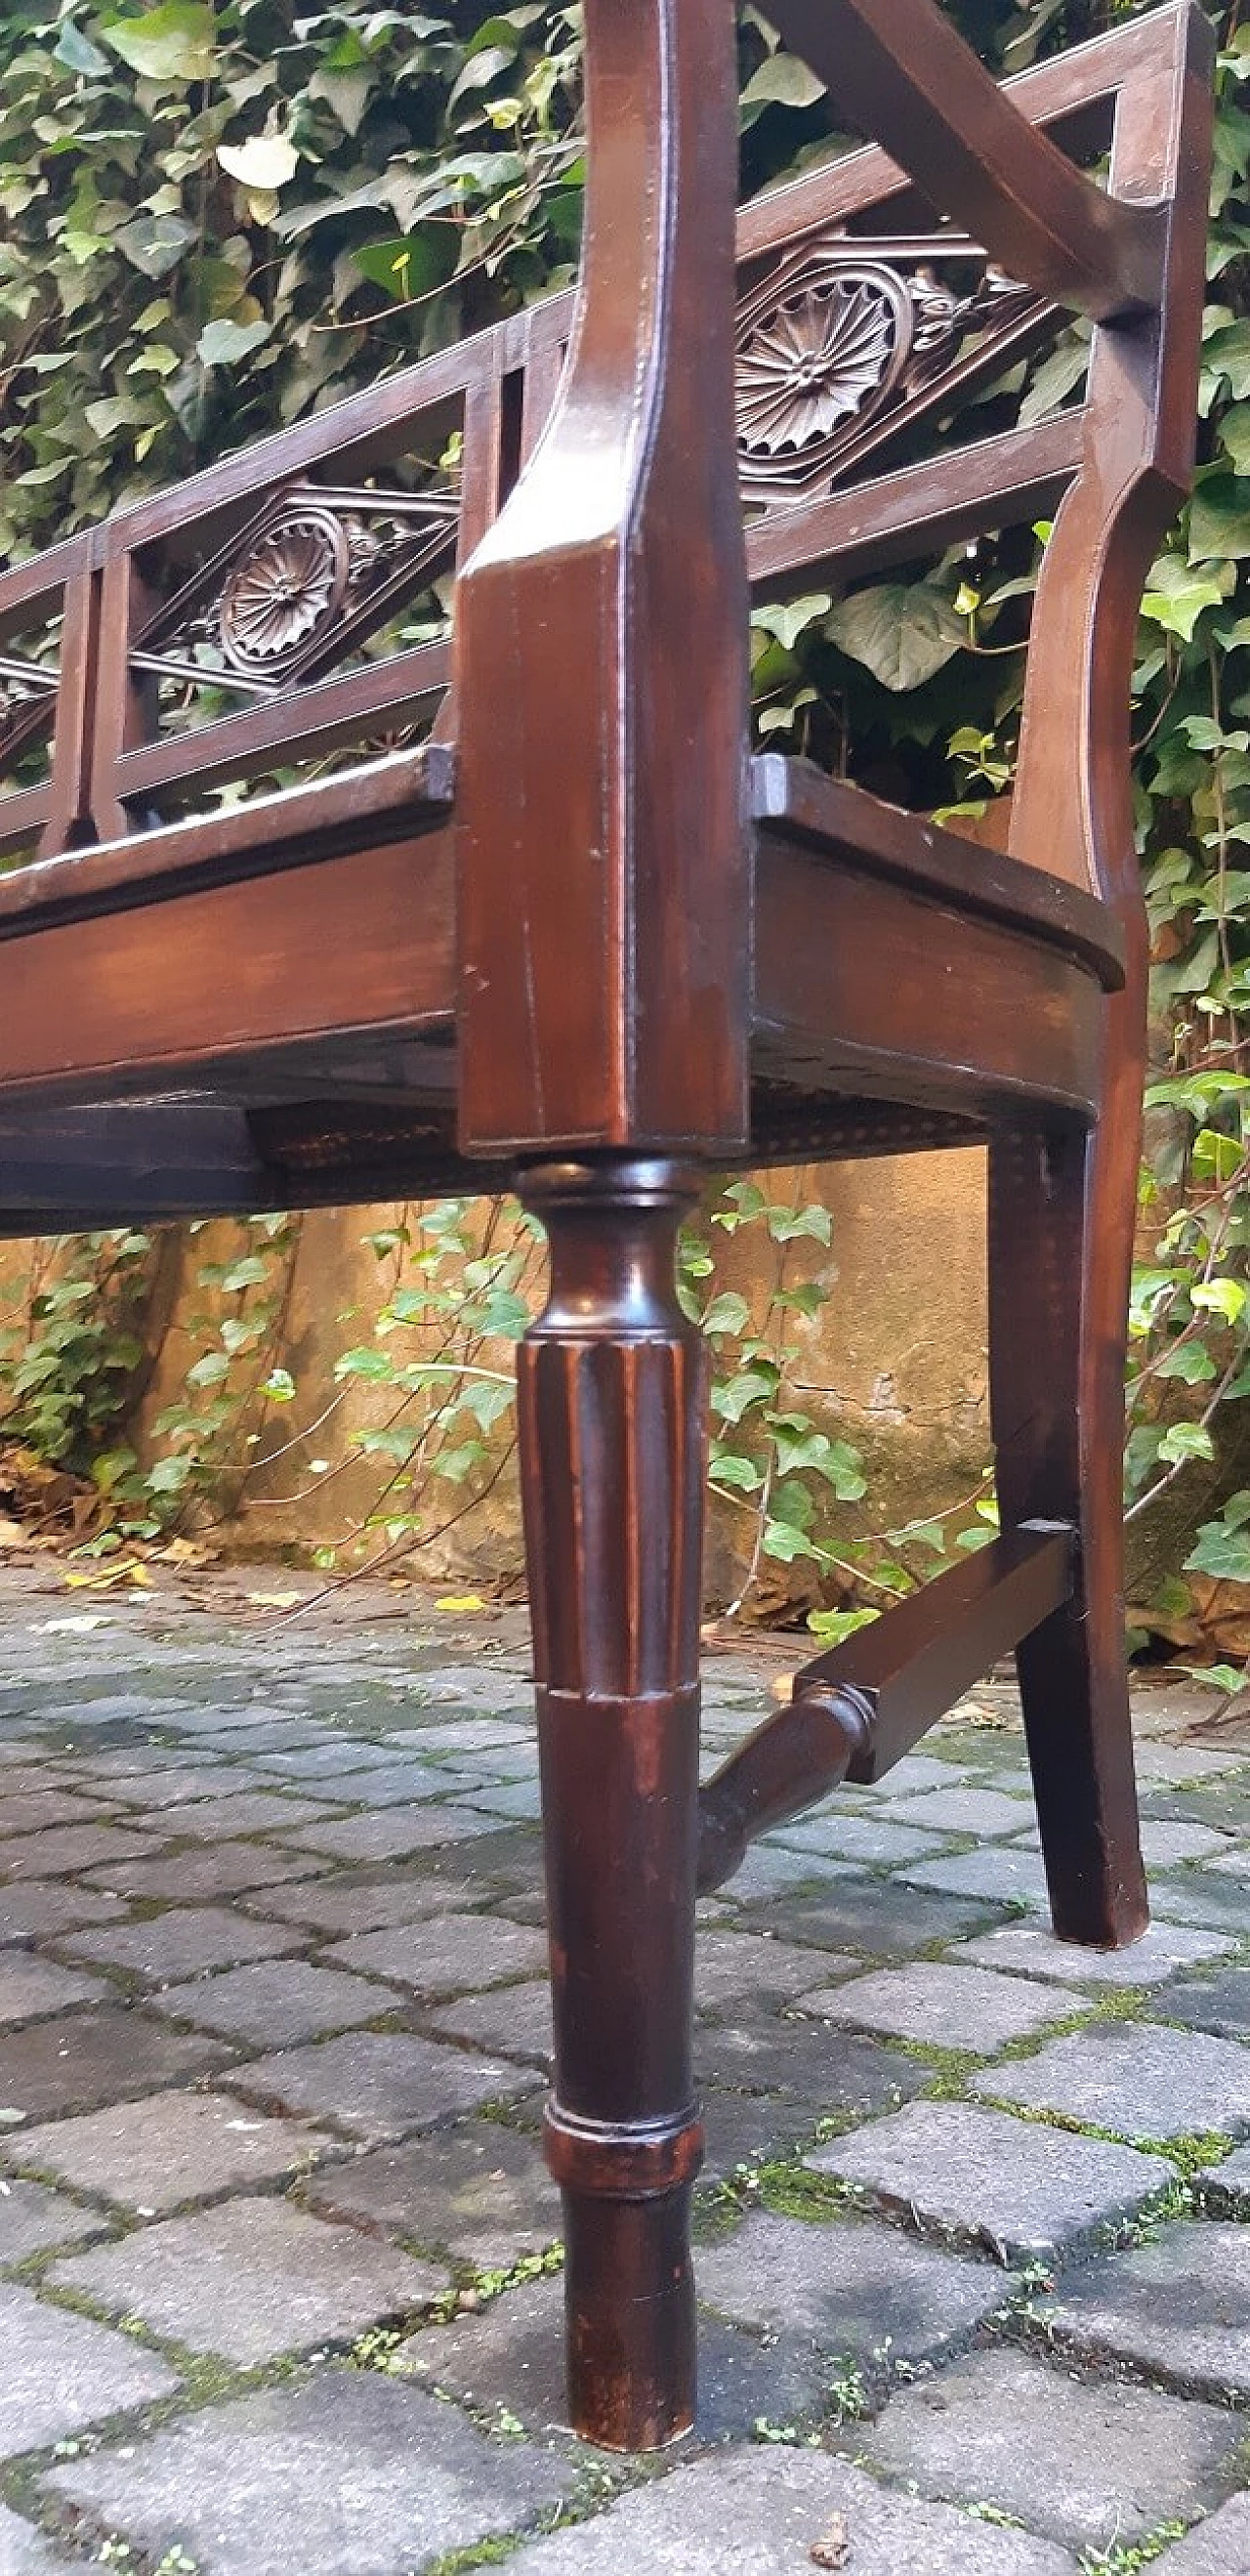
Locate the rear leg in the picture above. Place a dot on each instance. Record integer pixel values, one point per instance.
(1062, 1205)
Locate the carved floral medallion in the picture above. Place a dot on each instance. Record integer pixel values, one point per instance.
(846, 340)
(292, 582)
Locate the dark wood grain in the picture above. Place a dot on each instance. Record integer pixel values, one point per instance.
(576, 942)
(621, 546)
(613, 1401)
(901, 72)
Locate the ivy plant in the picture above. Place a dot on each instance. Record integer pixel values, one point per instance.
(218, 215)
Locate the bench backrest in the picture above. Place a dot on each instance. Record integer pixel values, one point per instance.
(277, 609)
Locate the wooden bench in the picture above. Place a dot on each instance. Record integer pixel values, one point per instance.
(540, 920)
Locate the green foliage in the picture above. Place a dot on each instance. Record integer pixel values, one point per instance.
(214, 217)
(68, 1361)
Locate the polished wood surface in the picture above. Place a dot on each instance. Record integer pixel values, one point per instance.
(526, 913)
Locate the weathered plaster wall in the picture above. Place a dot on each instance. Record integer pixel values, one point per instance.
(896, 1360)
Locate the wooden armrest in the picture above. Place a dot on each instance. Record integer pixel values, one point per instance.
(906, 78)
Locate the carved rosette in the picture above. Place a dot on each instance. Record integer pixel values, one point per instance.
(317, 572)
(293, 582)
(815, 352)
(844, 339)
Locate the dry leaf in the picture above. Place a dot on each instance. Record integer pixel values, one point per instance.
(460, 1601)
(834, 2549)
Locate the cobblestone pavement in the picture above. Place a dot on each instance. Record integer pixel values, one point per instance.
(278, 2260)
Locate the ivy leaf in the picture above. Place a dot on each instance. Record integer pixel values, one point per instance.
(481, 69)
(788, 619)
(790, 1225)
(1222, 1552)
(1188, 1361)
(728, 1313)
(782, 81)
(265, 163)
(222, 344)
(1177, 593)
(78, 53)
(818, 1455)
(154, 243)
(738, 1395)
(902, 631)
(210, 1370)
(1235, 436)
(1185, 1440)
(1219, 522)
(785, 1543)
(250, 1272)
(1224, 1297)
(172, 43)
(833, 1627)
(735, 1474)
(414, 265)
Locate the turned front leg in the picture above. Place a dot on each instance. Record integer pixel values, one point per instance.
(613, 1428)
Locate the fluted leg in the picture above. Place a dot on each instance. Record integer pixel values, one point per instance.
(612, 1411)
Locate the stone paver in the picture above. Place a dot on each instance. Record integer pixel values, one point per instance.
(985, 1813)
(252, 2279)
(515, 2020)
(70, 1847)
(337, 1907)
(1024, 2188)
(63, 2372)
(185, 1941)
(174, 2147)
(846, 2073)
(1005, 1871)
(30, 1989)
(1179, 2307)
(1163, 1845)
(1201, 1897)
(1140, 2080)
(353, 2475)
(510, 2359)
(84, 2059)
(853, 2287)
(32, 2218)
(48, 1906)
(1090, 2464)
(450, 1952)
(478, 2191)
(1218, 2547)
(30, 1811)
(258, 1811)
(378, 2085)
(1226, 2186)
(25, 2552)
(865, 1839)
(275, 2003)
(742, 1967)
(880, 1918)
(1029, 1949)
(1219, 2003)
(766, 2512)
(329, 1809)
(393, 1836)
(943, 2006)
(217, 1870)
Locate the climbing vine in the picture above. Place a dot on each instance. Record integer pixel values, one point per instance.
(216, 215)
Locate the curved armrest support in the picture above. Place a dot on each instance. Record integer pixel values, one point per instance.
(906, 79)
